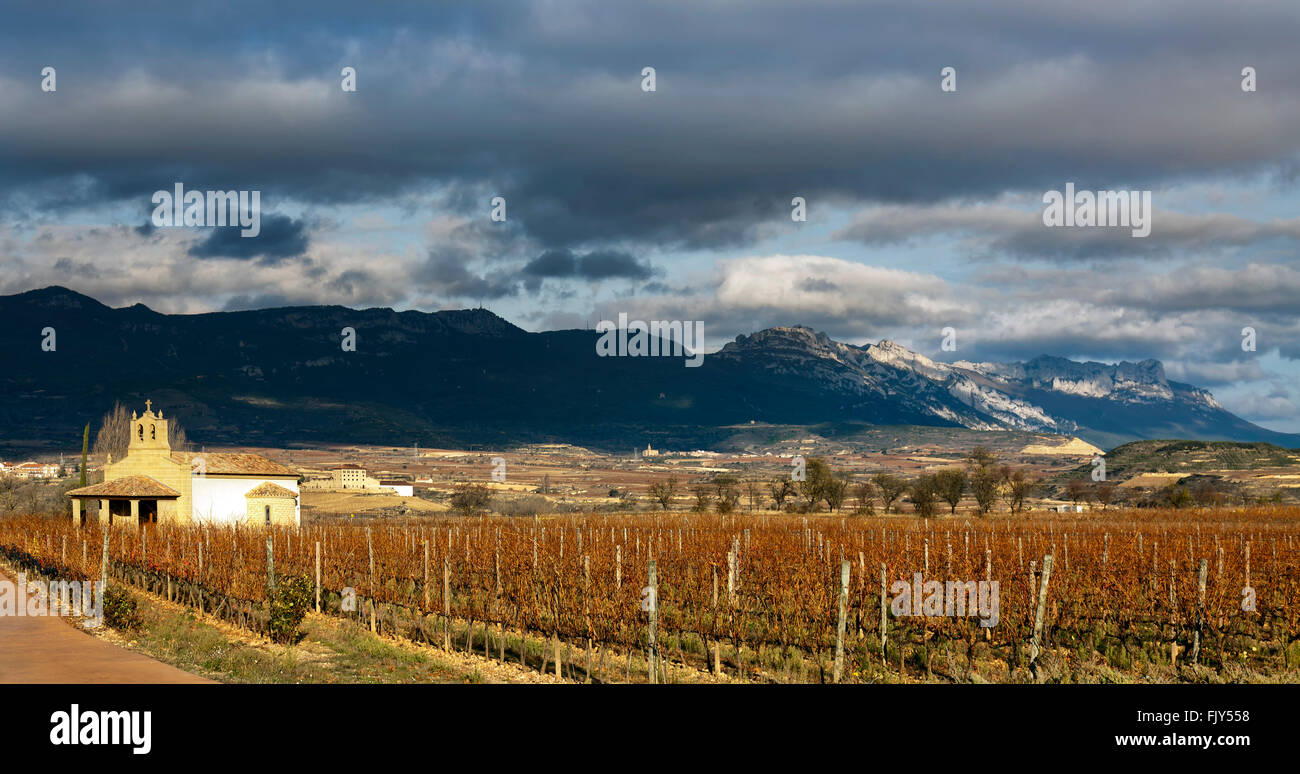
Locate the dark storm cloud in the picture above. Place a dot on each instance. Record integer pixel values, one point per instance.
(756, 103)
(455, 270)
(352, 282)
(79, 269)
(281, 237)
(552, 263)
(448, 272)
(612, 264)
(596, 265)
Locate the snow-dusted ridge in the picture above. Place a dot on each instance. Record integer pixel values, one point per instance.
(971, 394)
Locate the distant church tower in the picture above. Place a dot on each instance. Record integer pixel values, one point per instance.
(149, 433)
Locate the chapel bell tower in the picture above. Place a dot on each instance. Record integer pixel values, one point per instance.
(148, 432)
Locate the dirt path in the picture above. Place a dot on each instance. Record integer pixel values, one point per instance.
(45, 649)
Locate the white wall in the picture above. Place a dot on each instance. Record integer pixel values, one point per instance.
(405, 490)
(220, 499)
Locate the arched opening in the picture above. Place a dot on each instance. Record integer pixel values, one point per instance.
(153, 433)
(140, 430)
(268, 515)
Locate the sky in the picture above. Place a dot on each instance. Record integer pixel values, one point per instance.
(924, 206)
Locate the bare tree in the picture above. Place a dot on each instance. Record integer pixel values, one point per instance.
(1076, 490)
(981, 457)
(702, 498)
(836, 492)
(1105, 493)
(951, 484)
(983, 477)
(1016, 486)
(923, 493)
(728, 494)
(781, 488)
(817, 480)
(663, 492)
(864, 491)
(890, 488)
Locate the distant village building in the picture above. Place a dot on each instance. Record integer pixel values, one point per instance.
(402, 488)
(1067, 508)
(153, 484)
(650, 452)
(30, 469)
(353, 477)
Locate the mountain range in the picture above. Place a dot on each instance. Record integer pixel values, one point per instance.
(469, 378)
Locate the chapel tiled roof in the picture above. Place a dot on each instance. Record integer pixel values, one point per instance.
(128, 486)
(228, 464)
(269, 489)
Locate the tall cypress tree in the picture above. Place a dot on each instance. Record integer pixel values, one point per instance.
(85, 443)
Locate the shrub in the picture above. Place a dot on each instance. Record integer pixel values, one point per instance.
(529, 505)
(293, 596)
(471, 499)
(120, 609)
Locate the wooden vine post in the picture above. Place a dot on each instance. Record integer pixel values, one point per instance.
(426, 575)
(884, 618)
(270, 567)
(200, 579)
(1036, 642)
(103, 564)
(317, 576)
(1200, 610)
(839, 632)
(652, 605)
(370, 603)
(446, 605)
(717, 641)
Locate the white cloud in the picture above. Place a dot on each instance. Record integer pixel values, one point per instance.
(822, 286)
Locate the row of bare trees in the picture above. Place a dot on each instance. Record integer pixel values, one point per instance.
(981, 476)
(1203, 493)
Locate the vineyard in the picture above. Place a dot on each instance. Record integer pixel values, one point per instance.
(777, 599)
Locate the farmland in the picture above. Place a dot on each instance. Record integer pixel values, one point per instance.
(1130, 595)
